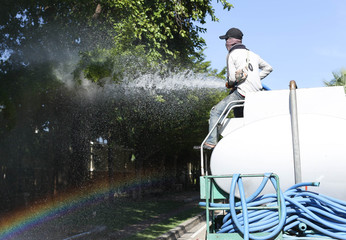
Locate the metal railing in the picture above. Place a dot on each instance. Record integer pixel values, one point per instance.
(221, 120)
(211, 193)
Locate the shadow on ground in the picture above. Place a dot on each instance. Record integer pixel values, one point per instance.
(124, 218)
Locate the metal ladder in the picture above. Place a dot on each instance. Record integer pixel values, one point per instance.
(220, 122)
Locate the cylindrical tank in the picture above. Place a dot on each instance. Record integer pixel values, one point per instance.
(262, 142)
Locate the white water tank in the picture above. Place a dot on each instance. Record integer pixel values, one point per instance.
(262, 141)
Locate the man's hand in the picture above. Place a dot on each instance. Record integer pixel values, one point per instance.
(241, 75)
(228, 85)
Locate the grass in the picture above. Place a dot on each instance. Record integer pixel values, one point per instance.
(158, 229)
(125, 212)
(119, 214)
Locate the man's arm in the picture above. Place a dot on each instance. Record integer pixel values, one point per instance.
(265, 67)
(230, 71)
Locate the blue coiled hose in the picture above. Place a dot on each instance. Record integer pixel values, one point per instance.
(303, 213)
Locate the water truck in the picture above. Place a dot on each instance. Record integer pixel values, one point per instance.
(278, 171)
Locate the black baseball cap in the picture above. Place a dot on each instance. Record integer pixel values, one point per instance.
(233, 33)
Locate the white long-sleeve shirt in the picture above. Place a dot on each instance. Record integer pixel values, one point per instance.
(237, 60)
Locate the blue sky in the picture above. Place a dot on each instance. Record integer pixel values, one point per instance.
(303, 40)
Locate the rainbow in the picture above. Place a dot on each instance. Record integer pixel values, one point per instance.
(15, 223)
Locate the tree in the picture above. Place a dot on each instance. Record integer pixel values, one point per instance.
(338, 80)
(116, 41)
(166, 30)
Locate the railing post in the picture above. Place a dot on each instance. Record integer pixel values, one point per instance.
(295, 132)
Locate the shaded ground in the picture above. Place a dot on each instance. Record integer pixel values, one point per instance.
(124, 219)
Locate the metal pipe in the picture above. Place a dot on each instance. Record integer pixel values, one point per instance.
(295, 132)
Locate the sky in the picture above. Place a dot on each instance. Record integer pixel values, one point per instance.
(303, 40)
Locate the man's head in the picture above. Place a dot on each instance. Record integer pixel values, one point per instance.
(233, 36)
(233, 33)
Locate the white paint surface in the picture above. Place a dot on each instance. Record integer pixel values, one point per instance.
(264, 142)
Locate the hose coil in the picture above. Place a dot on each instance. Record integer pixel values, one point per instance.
(303, 213)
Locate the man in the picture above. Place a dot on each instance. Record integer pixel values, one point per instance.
(243, 76)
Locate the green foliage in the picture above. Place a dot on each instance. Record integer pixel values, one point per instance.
(165, 28)
(24, 90)
(101, 64)
(167, 31)
(338, 80)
